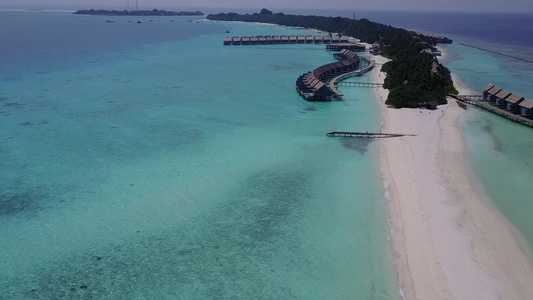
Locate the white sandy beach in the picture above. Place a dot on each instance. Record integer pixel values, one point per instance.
(448, 242)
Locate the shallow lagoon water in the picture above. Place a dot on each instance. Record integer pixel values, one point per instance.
(498, 150)
(170, 166)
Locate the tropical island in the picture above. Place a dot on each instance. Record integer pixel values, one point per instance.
(414, 75)
(153, 12)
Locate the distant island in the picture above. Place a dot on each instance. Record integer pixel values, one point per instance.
(153, 12)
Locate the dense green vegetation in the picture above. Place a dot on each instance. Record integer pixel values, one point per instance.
(413, 76)
(153, 12)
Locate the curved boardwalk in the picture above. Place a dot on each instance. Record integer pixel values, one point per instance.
(317, 85)
(333, 82)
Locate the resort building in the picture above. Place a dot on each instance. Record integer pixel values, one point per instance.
(490, 91)
(312, 86)
(501, 96)
(526, 108)
(375, 49)
(512, 103)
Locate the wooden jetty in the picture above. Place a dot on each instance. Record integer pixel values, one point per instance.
(478, 101)
(366, 134)
(334, 43)
(338, 46)
(360, 84)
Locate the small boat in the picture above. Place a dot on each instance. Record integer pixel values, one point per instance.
(109, 21)
(227, 31)
(129, 21)
(151, 20)
(138, 22)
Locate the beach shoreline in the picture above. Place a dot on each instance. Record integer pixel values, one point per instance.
(439, 219)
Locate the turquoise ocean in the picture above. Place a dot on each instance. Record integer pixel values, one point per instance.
(149, 161)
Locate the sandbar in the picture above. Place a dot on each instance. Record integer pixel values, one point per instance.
(447, 240)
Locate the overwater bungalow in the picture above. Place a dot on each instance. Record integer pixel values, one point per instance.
(313, 86)
(293, 39)
(318, 39)
(235, 40)
(526, 108)
(344, 54)
(490, 94)
(245, 40)
(501, 96)
(486, 90)
(227, 41)
(284, 39)
(261, 39)
(312, 89)
(512, 103)
(300, 39)
(308, 39)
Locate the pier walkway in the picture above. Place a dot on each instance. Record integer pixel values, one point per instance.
(366, 134)
(332, 42)
(333, 83)
(360, 84)
(477, 100)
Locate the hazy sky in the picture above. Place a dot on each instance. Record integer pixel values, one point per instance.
(278, 5)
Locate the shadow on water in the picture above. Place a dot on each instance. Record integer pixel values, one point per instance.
(308, 109)
(244, 249)
(358, 144)
(498, 144)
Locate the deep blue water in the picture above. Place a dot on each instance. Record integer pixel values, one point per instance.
(38, 41)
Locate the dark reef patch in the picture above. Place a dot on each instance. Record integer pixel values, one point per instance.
(20, 199)
(13, 104)
(10, 79)
(42, 122)
(229, 253)
(27, 201)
